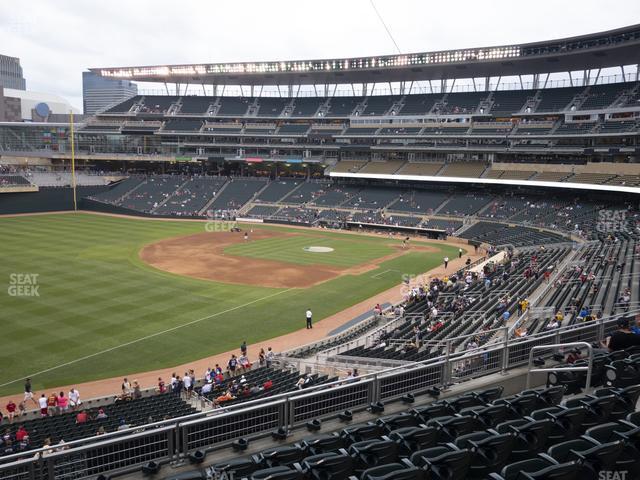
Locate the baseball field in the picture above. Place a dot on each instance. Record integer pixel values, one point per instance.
(88, 296)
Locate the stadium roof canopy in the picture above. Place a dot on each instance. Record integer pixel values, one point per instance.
(594, 51)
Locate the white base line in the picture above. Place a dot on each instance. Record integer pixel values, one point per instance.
(141, 339)
(377, 275)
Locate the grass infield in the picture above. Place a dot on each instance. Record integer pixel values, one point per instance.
(85, 294)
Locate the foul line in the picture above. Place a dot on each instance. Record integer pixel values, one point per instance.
(147, 337)
(378, 275)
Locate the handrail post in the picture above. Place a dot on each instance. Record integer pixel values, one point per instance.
(185, 439)
(376, 388)
(600, 329)
(446, 374)
(505, 352)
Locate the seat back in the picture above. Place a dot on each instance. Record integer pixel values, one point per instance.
(530, 438)
(492, 415)
(490, 394)
(277, 473)
(429, 412)
(373, 453)
(491, 453)
(412, 439)
(393, 422)
(452, 427)
(360, 433)
(393, 471)
(600, 457)
(453, 465)
(562, 452)
(282, 456)
(328, 466)
(238, 467)
(567, 424)
(323, 444)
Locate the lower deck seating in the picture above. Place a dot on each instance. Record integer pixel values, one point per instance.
(131, 413)
(534, 434)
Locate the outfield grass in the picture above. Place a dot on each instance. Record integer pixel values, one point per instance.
(347, 251)
(97, 299)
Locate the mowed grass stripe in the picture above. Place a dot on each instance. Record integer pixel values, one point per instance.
(95, 293)
(290, 249)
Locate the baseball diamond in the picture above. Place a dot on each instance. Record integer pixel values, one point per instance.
(416, 264)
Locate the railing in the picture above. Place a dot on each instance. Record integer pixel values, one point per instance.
(587, 369)
(217, 428)
(419, 87)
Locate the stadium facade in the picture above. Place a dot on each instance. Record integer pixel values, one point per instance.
(530, 169)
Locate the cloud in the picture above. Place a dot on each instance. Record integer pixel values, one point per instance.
(57, 41)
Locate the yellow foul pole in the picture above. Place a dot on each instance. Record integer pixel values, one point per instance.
(73, 163)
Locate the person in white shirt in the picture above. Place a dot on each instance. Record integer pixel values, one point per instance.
(42, 401)
(206, 388)
(188, 385)
(309, 323)
(269, 357)
(74, 398)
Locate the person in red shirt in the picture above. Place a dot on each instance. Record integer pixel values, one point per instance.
(52, 404)
(161, 386)
(268, 384)
(11, 410)
(22, 434)
(82, 417)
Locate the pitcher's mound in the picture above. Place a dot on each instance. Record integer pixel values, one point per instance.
(318, 249)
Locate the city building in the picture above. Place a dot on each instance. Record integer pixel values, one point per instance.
(11, 73)
(98, 92)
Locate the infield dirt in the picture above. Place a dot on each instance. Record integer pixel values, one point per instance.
(202, 256)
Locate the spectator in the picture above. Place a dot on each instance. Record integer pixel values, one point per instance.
(28, 392)
(52, 404)
(621, 338)
(188, 385)
(269, 357)
(101, 414)
(553, 324)
(100, 431)
(262, 357)
(161, 386)
(82, 417)
(232, 365)
(42, 401)
(123, 424)
(136, 390)
(22, 434)
(63, 403)
(268, 384)
(11, 410)
(636, 328)
(309, 315)
(244, 363)
(225, 397)
(206, 388)
(127, 390)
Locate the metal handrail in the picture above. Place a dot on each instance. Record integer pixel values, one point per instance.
(588, 368)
